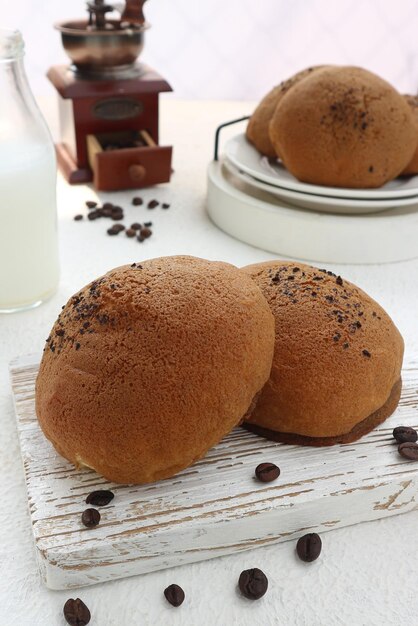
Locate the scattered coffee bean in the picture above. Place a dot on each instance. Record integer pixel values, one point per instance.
(107, 212)
(101, 497)
(404, 434)
(112, 231)
(174, 595)
(147, 224)
(140, 238)
(108, 205)
(76, 613)
(77, 218)
(137, 201)
(136, 226)
(309, 547)
(145, 232)
(116, 217)
(90, 204)
(90, 518)
(153, 204)
(267, 472)
(165, 205)
(253, 583)
(409, 450)
(93, 215)
(119, 227)
(130, 232)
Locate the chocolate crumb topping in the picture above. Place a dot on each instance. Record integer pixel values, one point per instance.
(339, 280)
(366, 353)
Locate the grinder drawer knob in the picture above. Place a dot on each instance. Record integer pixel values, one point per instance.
(137, 173)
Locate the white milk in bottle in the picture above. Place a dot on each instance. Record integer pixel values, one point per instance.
(29, 269)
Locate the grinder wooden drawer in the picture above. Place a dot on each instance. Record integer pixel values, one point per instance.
(128, 168)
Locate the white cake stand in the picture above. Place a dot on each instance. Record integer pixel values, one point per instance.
(263, 220)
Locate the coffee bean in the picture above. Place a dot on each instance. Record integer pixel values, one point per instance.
(309, 547)
(409, 450)
(108, 205)
(119, 227)
(153, 204)
(93, 215)
(145, 233)
(266, 472)
(147, 224)
(90, 518)
(253, 583)
(107, 212)
(140, 238)
(90, 204)
(404, 434)
(77, 218)
(76, 613)
(165, 205)
(116, 217)
(136, 226)
(174, 595)
(112, 231)
(137, 201)
(130, 232)
(101, 497)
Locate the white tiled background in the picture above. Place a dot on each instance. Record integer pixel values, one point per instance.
(238, 48)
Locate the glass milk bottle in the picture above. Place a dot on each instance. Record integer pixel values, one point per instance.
(29, 269)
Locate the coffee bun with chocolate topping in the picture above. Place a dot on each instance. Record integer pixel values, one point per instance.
(344, 127)
(412, 167)
(337, 362)
(152, 364)
(258, 131)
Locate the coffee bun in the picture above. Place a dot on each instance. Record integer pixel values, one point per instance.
(152, 364)
(412, 167)
(344, 127)
(337, 362)
(258, 132)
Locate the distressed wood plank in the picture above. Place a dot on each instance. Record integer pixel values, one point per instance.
(213, 508)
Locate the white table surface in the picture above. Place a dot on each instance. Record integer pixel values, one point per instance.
(367, 574)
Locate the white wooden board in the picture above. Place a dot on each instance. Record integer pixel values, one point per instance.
(213, 508)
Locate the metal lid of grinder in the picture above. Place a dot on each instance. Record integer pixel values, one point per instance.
(105, 48)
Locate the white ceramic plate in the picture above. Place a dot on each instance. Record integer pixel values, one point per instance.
(264, 221)
(247, 159)
(325, 204)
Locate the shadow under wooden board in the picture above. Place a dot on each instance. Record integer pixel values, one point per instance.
(213, 508)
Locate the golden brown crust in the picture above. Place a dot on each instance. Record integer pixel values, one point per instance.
(258, 126)
(344, 127)
(337, 352)
(412, 167)
(359, 430)
(149, 366)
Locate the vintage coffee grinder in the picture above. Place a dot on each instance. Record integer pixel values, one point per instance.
(109, 102)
